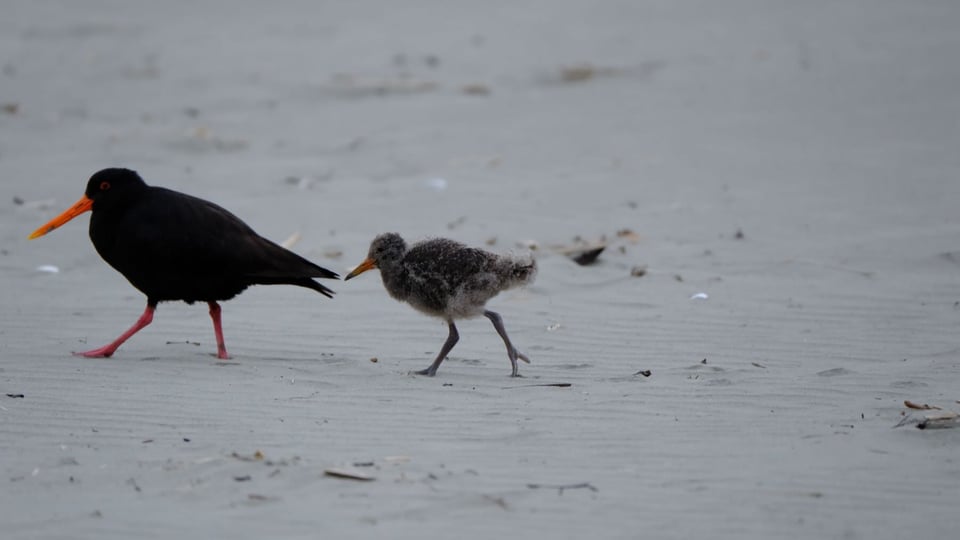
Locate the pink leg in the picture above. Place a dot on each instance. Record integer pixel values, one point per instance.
(218, 330)
(107, 350)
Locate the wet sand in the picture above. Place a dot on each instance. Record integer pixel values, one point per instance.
(794, 163)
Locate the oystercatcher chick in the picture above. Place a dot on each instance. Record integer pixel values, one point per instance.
(446, 279)
(172, 246)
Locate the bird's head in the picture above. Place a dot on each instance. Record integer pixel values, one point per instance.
(385, 249)
(104, 188)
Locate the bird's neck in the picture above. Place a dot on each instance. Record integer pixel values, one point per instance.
(395, 280)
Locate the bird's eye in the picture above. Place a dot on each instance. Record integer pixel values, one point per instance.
(104, 186)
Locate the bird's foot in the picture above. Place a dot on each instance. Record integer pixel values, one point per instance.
(514, 354)
(222, 355)
(428, 372)
(102, 352)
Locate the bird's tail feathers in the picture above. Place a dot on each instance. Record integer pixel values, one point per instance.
(299, 281)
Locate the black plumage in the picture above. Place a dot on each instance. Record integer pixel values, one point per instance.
(446, 279)
(172, 246)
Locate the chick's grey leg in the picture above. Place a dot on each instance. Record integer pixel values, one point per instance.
(452, 339)
(512, 351)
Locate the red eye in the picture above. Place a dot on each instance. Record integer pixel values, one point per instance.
(104, 186)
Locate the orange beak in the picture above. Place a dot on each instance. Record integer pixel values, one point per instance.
(367, 264)
(83, 205)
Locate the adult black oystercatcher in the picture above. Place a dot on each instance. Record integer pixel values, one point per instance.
(447, 279)
(173, 246)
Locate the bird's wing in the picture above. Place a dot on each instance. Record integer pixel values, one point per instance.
(448, 262)
(183, 234)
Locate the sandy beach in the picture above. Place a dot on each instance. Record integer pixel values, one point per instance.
(776, 183)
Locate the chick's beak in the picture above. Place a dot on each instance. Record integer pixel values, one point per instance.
(367, 264)
(83, 205)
